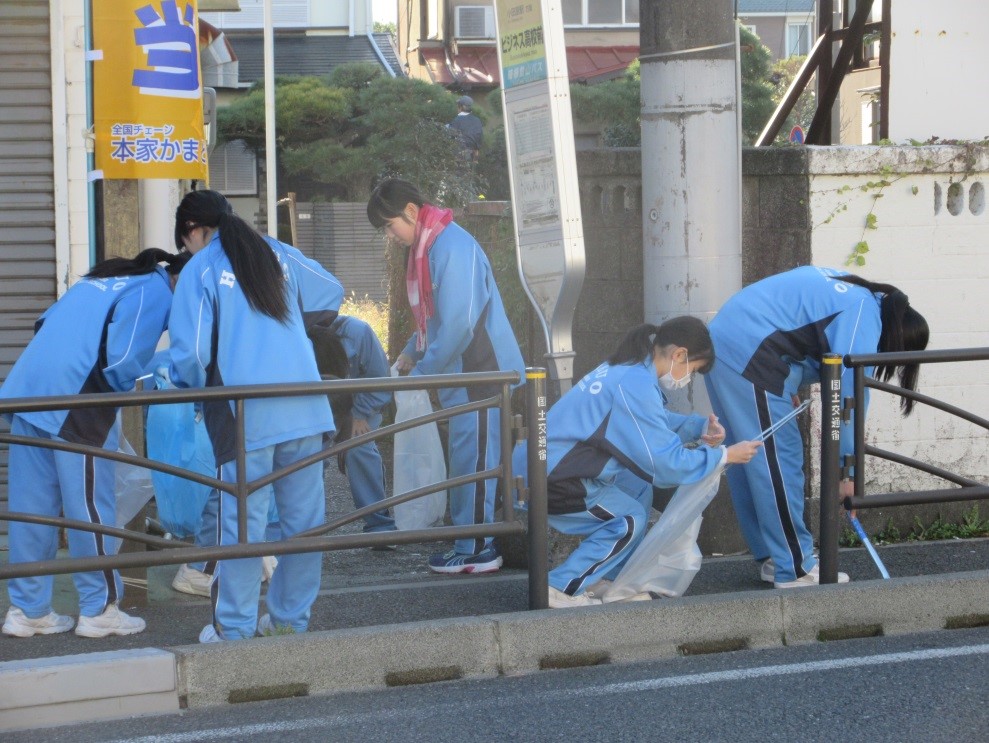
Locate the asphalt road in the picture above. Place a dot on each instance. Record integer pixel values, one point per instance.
(926, 687)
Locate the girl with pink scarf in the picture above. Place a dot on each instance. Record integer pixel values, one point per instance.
(461, 327)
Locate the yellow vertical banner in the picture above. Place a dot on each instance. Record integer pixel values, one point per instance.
(147, 90)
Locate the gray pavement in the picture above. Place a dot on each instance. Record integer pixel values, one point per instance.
(383, 619)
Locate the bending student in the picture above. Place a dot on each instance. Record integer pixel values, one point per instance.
(99, 337)
(770, 338)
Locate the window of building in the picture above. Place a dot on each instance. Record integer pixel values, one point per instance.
(797, 38)
(284, 14)
(233, 169)
(600, 12)
(870, 121)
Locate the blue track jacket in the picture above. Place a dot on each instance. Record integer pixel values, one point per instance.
(470, 331)
(367, 359)
(99, 337)
(784, 324)
(218, 340)
(614, 421)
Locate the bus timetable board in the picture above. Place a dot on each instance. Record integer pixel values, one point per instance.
(543, 169)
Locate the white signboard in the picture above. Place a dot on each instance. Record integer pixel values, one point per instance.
(543, 169)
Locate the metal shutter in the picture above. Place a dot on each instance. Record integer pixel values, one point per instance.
(340, 238)
(27, 211)
(233, 169)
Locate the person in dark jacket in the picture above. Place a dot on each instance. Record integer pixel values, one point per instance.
(468, 127)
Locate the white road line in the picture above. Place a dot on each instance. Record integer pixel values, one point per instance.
(243, 731)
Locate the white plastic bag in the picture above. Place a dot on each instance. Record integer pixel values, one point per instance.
(133, 486)
(667, 558)
(418, 461)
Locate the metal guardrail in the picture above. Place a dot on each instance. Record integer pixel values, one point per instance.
(836, 409)
(172, 552)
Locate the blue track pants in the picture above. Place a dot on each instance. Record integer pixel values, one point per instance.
(301, 503)
(48, 482)
(768, 492)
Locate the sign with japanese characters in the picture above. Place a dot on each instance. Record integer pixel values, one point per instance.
(147, 90)
(542, 169)
(520, 38)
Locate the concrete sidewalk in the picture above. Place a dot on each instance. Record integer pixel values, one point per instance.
(384, 620)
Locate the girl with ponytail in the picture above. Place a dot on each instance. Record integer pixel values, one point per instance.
(611, 440)
(99, 337)
(240, 317)
(770, 338)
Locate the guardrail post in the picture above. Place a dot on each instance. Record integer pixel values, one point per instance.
(535, 408)
(830, 466)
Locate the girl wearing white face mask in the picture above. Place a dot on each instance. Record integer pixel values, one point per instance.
(611, 440)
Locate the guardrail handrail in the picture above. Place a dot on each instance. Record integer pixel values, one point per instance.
(177, 552)
(832, 471)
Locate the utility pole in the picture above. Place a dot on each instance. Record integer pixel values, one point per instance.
(691, 158)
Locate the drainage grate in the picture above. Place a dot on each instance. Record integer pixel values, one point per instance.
(967, 621)
(574, 660)
(424, 676)
(714, 646)
(262, 693)
(850, 632)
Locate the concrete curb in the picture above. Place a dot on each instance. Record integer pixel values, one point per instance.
(80, 688)
(75, 688)
(507, 644)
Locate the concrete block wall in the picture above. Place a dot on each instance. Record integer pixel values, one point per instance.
(930, 239)
(809, 205)
(611, 209)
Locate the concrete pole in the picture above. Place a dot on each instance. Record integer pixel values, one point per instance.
(271, 157)
(691, 158)
(159, 198)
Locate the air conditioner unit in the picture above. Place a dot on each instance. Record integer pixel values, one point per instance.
(474, 22)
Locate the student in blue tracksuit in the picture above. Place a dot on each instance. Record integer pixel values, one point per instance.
(99, 337)
(611, 440)
(349, 348)
(239, 317)
(461, 326)
(770, 338)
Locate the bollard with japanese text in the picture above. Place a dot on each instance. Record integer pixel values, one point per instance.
(535, 393)
(831, 368)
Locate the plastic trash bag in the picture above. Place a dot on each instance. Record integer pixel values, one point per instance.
(132, 486)
(418, 461)
(177, 436)
(667, 558)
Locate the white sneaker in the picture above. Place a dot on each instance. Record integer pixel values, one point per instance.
(267, 628)
(560, 600)
(18, 624)
(209, 634)
(111, 622)
(812, 578)
(767, 571)
(190, 580)
(268, 565)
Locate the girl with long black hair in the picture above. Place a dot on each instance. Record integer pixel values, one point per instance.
(99, 337)
(240, 317)
(770, 338)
